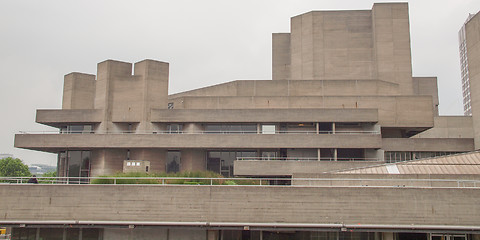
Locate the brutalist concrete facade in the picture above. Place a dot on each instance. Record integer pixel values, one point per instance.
(342, 95)
(342, 89)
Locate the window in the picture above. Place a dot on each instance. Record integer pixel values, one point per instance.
(174, 128)
(77, 129)
(74, 164)
(268, 129)
(231, 128)
(173, 162)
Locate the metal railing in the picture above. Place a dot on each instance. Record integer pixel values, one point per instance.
(201, 132)
(295, 182)
(327, 159)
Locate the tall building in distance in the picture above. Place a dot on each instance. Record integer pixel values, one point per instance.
(470, 58)
(467, 107)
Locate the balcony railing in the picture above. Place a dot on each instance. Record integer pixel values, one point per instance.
(306, 159)
(200, 132)
(296, 182)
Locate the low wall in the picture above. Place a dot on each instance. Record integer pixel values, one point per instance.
(241, 205)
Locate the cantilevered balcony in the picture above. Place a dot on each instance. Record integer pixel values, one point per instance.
(54, 142)
(59, 117)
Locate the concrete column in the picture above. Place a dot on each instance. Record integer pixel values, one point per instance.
(388, 236)
(335, 152)
(212, 234)
(333, 128)
(319, 154)
(317, 125)
(259, 128)
(78, 91)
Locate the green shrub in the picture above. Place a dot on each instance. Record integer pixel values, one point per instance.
(122, 178)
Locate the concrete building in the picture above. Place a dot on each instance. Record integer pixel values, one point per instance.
(462, 39)
(472, 38)
(342, 96)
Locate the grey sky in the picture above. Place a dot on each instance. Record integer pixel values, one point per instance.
(206, 42)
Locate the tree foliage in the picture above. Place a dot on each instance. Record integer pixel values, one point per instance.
(50, 174)
(13, 167)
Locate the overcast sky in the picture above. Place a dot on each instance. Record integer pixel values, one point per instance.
(206, 42)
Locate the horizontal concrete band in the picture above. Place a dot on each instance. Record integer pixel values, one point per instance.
(262, 205)
(56, 117)
(264, 115)
(90, 141)
(428, 144)
(340, 227)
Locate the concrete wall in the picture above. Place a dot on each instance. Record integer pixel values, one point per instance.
(78, 91)
(391, 30)
(332, 45)
(393, 111)
(472, 32)
(281, 56)
(328, 87)
(263, 115)
(153, 233)
(427, 86)
(428, 144)
(54, 117)
(128, 98)
(288, 168)
(400, 180)
(107, 161)
(449, 127)
(242, 204)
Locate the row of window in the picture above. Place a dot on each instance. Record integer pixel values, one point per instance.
(392, 157)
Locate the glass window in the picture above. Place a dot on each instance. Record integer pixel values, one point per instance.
(173, 161)
(231, 128)
(222, 161)
(51, 233)
(174, 128)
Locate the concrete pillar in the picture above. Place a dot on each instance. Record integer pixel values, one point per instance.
(319, 154)
(153, 76)
(391, 31)
(333, 128)
(388, 236)
(335, 153)
(281, 56)
(317, 125)
(212, 234)
(193, 160)
(78, 91)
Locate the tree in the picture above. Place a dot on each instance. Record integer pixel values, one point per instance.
(13, 167)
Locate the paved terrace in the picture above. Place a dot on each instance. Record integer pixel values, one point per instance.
(258, 207)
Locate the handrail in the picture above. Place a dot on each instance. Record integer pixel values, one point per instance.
(199, 132)
(296, 182)
(329, 159)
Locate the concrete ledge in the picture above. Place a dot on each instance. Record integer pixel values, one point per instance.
(264, 115)
(56, 117)
(441, 207)
(428, 144)
(53, 142)
(287, 168)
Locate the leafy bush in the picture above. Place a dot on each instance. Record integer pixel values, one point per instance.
(48, 177)
(198, 178)
(139, 178)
